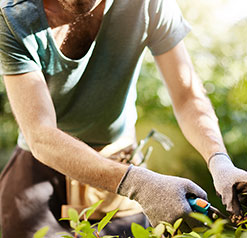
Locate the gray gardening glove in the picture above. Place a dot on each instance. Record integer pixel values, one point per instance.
(230, 182)
(162, 197)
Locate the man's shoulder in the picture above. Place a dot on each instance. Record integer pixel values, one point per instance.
(10, 3)
(6, 3)
(133, 5)
(21, 16)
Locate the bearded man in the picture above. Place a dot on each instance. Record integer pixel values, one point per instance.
(70, 69)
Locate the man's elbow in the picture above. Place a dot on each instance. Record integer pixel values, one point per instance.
(39, 141)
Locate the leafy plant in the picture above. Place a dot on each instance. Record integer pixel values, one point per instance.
(82, 227)
(242, 228)
(164, 229)
(41, 232)
(219, 228)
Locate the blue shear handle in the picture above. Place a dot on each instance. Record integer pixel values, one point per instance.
(199, 205)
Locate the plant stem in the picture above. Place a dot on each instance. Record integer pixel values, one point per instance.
(97, 234)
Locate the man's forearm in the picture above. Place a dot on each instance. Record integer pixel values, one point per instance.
(36, 117)
(74, 158)
(193, 109)
(199, 124)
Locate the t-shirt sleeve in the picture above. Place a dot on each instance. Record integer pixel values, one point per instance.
(167, 26)
(14, 57)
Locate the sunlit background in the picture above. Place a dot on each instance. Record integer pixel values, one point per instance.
(217, 45)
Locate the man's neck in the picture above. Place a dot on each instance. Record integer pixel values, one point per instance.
(52, 6)
(97, 3)
(56, 7)
(59, 16)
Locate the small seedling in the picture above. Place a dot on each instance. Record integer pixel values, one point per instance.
(79, 227)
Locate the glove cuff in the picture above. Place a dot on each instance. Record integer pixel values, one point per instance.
(217, 159)
(136, 181)
(217, 153)
(119, 187)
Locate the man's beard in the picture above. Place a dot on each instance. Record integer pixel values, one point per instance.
(77, 6)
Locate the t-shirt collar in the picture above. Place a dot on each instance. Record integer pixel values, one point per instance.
(108, 5)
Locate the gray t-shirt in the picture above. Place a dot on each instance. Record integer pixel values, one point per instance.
(94, 97)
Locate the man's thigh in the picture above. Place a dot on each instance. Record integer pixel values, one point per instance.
(31, 195)
(122, 226)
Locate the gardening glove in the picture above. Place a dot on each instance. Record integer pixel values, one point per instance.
(230, 182)
(162, 197)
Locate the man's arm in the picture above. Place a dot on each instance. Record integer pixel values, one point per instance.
(35, 114)
(34, 111)
(199, 124)
(192, 108)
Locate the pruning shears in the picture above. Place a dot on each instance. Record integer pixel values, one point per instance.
(205, 207)
(202, 206)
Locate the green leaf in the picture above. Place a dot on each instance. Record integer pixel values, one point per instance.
(177, 223)
(194, 234)
(200, 229)
(238, 232)
(218, 226)
(83, 212)
(243, 235)
(64, 234)
(191, 234)
(109, 236)
(64, 219)
(170, 230)
(202, 218)
(92, 209)
(217, 229)
(95, 224)
(41, 232)
(138, 231)
(149, 229)
(87, 235)
(84, 226)
(181, 235)
(208, 233)
(166, 224)
(242, 222)
(105, 220)
(73, 215)
(158, 230)
(73, 224)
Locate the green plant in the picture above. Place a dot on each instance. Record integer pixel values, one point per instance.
(82, 227)
(219, 228)
(41, 232)
(164, 229)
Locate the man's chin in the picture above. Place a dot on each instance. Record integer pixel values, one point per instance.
(77, 6)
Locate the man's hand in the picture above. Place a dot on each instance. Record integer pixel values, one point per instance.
(229, 181)
(162, 197)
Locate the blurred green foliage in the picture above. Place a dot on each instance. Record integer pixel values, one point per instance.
(218, 51)
(8, 127)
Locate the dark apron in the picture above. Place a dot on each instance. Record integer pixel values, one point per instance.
(31, 196)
